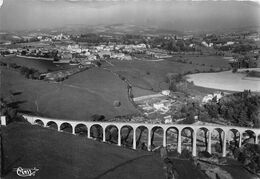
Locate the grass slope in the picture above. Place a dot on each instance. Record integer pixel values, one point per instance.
(62, 155)
(84, 94)
(40, 65)
(151, 75)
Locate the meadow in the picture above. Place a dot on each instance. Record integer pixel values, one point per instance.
(81, 96)
(151, 75)
(40, 65)
(211, 61)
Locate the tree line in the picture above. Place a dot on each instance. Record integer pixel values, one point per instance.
(29, 73)
(239, 109)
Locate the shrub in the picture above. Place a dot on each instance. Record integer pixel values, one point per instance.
(234, 70)
(117, 103)
(204, 154)
(97, 117)
(122, 77)
(186, 154)
(131, 95)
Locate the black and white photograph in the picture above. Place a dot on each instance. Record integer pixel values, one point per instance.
(130, 89)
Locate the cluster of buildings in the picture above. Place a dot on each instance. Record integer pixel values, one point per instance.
(33, 52)
(158, 104)
(211, 44)
(229, 39)
(60, 75)
(86, 54)
(51, 38)
(158, 53)
(208, 98)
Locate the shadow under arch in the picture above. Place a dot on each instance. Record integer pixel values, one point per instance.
(142, 137)
(172, 138)
(202, 139)
(112, 134)
(248, 136)
(52, 125)
(156, 137)
(233, 138)
(217, 138)
(187, 138)
(66, 127)
(96, 132)
(127, 133)
(81, 130)
(39, 122)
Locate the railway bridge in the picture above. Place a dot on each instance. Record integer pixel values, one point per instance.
(181, 132)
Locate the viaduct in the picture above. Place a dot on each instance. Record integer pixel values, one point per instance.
(226, 134)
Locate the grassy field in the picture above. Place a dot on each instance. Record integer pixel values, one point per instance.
(41, 65)
(213, 61)
(151, 75)
(83, 95)
(142, 92)
(32, 44)
(62, 155)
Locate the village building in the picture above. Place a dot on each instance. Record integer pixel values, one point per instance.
(74, 48)
(210, 97)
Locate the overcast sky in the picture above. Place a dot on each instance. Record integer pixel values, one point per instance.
(33, 14)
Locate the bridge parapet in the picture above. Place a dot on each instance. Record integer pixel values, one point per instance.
(222, 130)
(32, 120)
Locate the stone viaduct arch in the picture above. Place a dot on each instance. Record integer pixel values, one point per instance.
(226, 134)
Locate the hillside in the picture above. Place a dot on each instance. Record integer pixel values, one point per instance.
(62, 155)
(81, 96)
(150, 75)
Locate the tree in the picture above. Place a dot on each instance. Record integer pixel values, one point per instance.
(117, 103)
(172, 86)
(212, 109)
(36, 75)
(256, 118)
(23, 52)
(234, 70)
(97, 63)
(173, 79)
(97, 117)
(204, 116)
(10, 108)
(189, 118)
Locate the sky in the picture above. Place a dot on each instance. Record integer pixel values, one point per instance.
(181, 15)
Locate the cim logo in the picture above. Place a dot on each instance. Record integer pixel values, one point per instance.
(26, 172)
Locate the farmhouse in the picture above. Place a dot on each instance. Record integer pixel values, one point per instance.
(166, 92)
(167, 119)
(209, 97)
